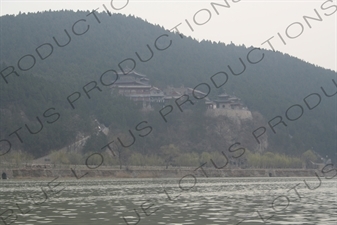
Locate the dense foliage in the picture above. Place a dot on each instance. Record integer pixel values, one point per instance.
(269, 87)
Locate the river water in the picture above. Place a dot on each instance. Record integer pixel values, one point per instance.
(192, 201)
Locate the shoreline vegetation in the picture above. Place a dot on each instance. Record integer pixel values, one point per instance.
(168, 165)
(46, 172)
(168, 156)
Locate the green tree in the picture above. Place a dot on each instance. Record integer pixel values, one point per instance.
(188, 159)
(205, 158)
(117, 150)
(309, 158)
(169, 153)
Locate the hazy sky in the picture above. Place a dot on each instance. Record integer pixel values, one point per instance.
(248, 22)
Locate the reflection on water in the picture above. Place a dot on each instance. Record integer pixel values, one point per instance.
(209, 201)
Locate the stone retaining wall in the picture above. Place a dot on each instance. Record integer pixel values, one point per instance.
(163, 173)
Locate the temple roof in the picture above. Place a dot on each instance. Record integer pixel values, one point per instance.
(223, 96)
(134, 86)
(133, 73)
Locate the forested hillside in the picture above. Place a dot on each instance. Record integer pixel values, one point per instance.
(49, 59)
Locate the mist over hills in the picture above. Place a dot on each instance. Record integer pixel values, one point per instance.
(267, 82)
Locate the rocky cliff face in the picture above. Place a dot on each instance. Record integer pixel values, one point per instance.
(235, 114)
(237, 126)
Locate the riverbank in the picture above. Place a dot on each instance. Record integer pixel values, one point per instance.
(156, 172)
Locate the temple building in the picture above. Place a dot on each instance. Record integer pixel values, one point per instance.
(136, 86)
(224, 101)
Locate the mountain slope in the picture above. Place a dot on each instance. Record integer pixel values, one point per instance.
(270, 86)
